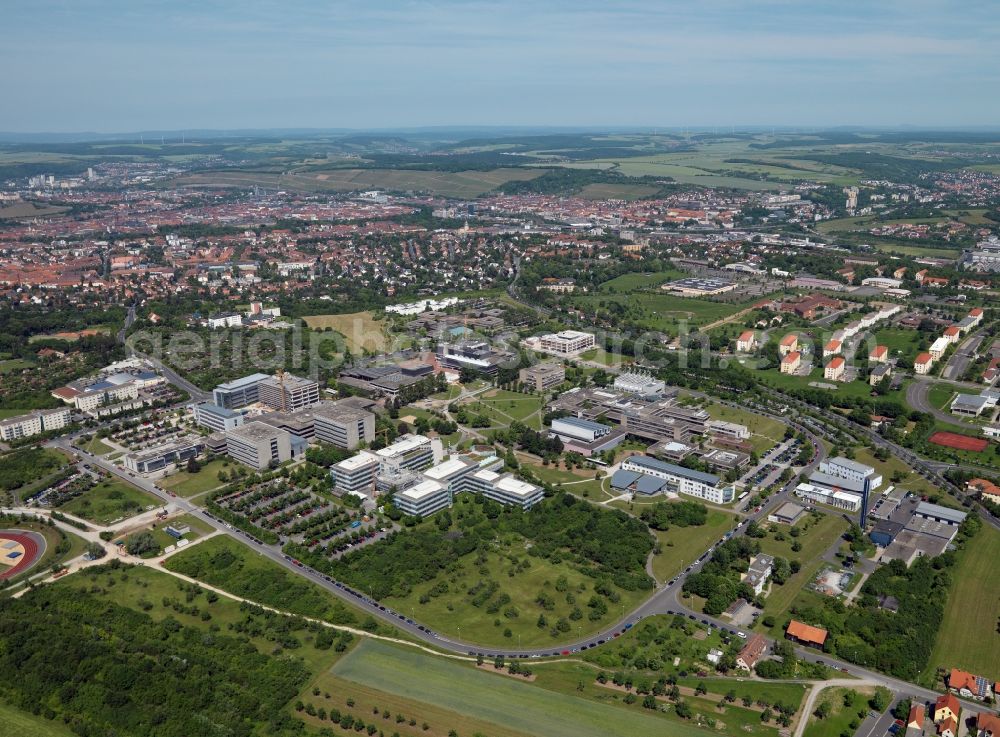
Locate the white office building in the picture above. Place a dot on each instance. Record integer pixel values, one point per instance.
(833, 497)
(730, 430)
(680, 479)
(34, 423)
(845, 468)
(239, 392)
(356, 475)
(258, 445)
(641, 384)
(567, 342)
(426, 497)
(216, 418)
(410, 452)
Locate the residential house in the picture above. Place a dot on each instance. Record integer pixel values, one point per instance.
(834, 370)
(946, 707)
(879, 354)
(788, 344)
(806, 634)
(752, 653)
(791, 362)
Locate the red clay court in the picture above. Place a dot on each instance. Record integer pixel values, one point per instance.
(33, 550)
(959, 442)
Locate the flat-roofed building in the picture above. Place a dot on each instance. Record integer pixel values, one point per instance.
(356, 475)
(34, 423)
(409, 452)
(680, 479)
(637, 383)
(938, 347)
(846, 468)
(164, 457)
(567, 342)
(505, 489)
(258, 445)
(452, 473)
(477, 356)
(728, 429)
(239, 392)
(579, 429)
(216, 418)
(423, 499)
(343, 425)
(288, 393)
(543, 376)
(105, 393)
(846, 500)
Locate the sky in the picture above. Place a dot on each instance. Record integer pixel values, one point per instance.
(114, 66)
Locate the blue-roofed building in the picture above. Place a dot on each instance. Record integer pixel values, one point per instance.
(624, 479)
(680, 479)
(649, 485)
(216, 418)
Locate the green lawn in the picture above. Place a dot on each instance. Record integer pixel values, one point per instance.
(681, 545)
(490, 698)
(911, 482)
(187, 484)
(815, 541)
(662, 311)
(503, 407)
(639, 280)
(17, 723)
(765, 432)
(109, 501)
(899, 341)
(97, 447)
(8, 365)
(968, 636)
(940, 396)
(453, 612)
(840, 717)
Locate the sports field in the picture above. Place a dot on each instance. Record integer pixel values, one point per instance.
(360, 330)
(489, 697)
(968, 636)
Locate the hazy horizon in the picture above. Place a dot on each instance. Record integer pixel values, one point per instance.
(113, 67)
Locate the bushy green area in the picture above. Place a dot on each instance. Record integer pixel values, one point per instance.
(225, 563)
(21, 467)
(603, 544)
(679, 514)
(107, 669)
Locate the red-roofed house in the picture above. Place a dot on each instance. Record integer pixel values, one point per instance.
(806, 634)
(746, 342)
(946, 707)
(834, 370)
(791, 362)
(752, 652)
(922, 363)
(953, 333)
(832, 348)
(968, 685)
(947, 727)
(879, 354)
(916, 718)
(788, 344)
(988, 725)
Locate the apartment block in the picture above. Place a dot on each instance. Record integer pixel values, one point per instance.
(34, 423)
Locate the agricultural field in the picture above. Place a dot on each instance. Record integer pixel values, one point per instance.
(361, 330)
(204, 479)
(968, 636)
(459, 184)
(109, 501)
(29, 210)
(486, 697)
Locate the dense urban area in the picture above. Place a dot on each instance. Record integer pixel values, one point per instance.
(662, 433)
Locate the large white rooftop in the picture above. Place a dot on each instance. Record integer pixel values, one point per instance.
(355, 462)
(515, 486)
(403, 445)
(421, 490)
(446, 469)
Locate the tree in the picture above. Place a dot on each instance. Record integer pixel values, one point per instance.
(95, 551)
(141, 543)
(683, 709)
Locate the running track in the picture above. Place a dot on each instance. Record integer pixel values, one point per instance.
(32, 552)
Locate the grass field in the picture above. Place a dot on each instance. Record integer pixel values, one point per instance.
(109, 501)
(899, 341)
(841, 715)
(17, 723)
(815, 541)
(765, 432)
(97, 447)
(361, 330)
(487, 697)
(503, 407)
(662, 311)
(451, 184)
(681, 545)
(452, 613)
(187, 484)
(912, 482)
(29, 210)
(968, 637)
(9, 365)
(638, 280)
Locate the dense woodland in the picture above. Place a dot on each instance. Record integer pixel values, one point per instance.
(105, 669)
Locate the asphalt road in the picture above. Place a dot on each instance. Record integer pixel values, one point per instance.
(959, 361)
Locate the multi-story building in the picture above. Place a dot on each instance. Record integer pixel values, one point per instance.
(731, 430)
(164, 457)
(34, 423)
(259, 445)
(567, 342)
(574, 428)
(834, 370)
(832, 348)
(879, 354)
(409, 452)
(759, 571)
(746, 342)
(453, 474)
(476, 356)
(846, 468)
(543, 376)
(791, 362)
(239, 392)
(788, 344)
(506, 489)
(938, 347)
(105, 393)
(880, 372)
(224, 320)
(216, 418)
(641, 384)
(923, 363)
(356, 475)
(343, 425)
(833, 497)
(680, 479)
(288, 393)
(424, 498)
